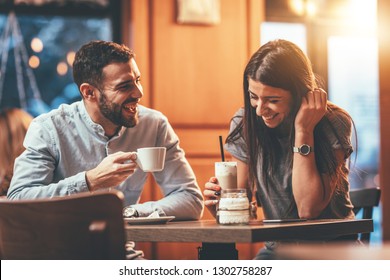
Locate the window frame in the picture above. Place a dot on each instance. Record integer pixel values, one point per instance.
(71, 8)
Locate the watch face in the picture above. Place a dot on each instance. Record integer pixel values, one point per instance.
(129, 212)
(305, 149)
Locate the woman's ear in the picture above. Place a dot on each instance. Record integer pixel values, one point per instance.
(87, 91)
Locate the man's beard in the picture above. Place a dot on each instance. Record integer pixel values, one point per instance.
(113, 112)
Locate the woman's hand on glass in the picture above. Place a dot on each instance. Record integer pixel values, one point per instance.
(212, 193)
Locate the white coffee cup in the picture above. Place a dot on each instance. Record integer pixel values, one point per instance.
(151, 159)
(226, 173)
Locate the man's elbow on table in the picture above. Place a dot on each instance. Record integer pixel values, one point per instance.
(15, 193)
(197, 212)
(194, 211)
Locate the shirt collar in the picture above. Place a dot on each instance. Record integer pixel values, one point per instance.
(95, 127)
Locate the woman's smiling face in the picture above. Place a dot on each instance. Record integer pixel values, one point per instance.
(272, 104)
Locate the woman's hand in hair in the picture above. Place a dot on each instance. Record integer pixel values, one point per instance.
(312, 110)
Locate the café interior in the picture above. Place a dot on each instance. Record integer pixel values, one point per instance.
(192, 54)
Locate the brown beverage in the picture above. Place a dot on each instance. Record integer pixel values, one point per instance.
(226, 173)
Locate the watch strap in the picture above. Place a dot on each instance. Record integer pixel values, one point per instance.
(304, 149)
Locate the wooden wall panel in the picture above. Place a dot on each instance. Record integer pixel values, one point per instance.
(202, 143)
(198, 69)
(137, 36)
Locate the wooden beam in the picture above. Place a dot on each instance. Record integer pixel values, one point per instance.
(384, 103)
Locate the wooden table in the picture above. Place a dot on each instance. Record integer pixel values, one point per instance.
(218, 241)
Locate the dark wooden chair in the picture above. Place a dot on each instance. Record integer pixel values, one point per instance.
(365, 200)
(80, 226)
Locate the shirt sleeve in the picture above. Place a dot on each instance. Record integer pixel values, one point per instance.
(182, 196)
(237, 147)
(34, 168)
(341, 132)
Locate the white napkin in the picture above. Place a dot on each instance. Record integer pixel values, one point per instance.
(154, 215)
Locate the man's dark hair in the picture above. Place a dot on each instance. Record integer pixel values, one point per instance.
(93, 57)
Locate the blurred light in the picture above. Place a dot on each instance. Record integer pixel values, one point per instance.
(311, 8)
(34, 62)
(358, 13)
(303, 7)
(297, 6)
(362, 9)
(376, 180)
(36, 45)
(70, 57)
(62, 68)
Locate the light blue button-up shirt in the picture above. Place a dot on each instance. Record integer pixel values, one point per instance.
(64, 143)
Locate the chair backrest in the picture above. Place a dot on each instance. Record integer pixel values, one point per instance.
(80, 226)
(365, 199)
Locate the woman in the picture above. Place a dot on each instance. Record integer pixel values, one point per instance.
(291, 144)
(13, 126)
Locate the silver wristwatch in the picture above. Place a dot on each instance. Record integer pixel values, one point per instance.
(130, 212)
(304, 149)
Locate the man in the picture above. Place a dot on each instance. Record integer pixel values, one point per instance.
(87, 146)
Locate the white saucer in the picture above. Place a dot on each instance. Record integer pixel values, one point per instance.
(146, 220)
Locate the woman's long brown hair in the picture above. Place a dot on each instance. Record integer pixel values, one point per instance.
(282, 64)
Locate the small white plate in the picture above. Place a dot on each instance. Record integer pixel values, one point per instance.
(146, 220)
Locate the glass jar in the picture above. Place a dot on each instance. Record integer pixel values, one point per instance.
(233, 207)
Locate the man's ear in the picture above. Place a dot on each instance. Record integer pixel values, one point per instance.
(87, 91)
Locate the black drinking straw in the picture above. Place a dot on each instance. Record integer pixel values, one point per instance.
(221, 148)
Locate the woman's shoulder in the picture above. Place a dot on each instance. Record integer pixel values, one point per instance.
(338, 129)
(338, 116)
(239, 112)
(237, 117)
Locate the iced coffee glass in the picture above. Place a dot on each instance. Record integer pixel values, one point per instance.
(226, 173)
